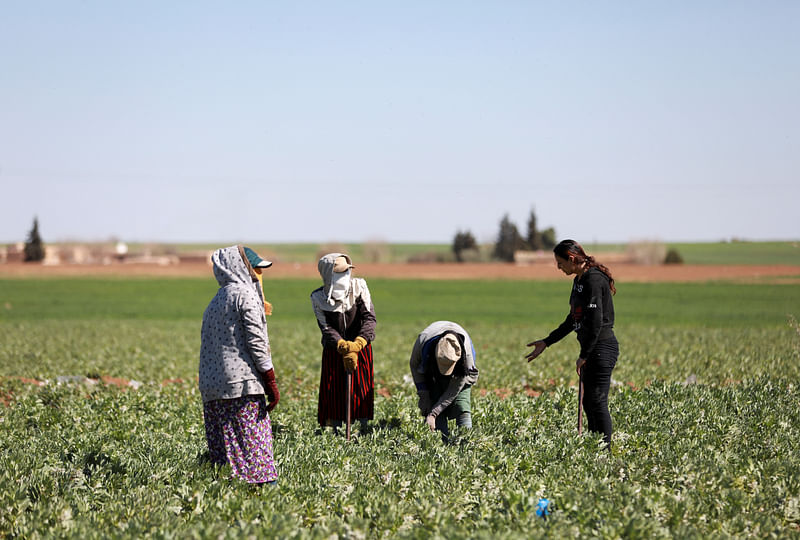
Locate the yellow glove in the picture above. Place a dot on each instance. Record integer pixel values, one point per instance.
(345, 347)
(267, 308)
(350, 361)
(360, 343)
(353, 346)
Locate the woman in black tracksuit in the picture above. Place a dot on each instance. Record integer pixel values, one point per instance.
(591, 315)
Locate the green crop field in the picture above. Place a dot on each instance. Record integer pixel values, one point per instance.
(310, 252)
(705, 401)
(748, 253)
(740, 252)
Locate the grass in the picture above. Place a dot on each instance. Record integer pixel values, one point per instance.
(519, 302)
(311, 252)
(740, 252)
(711, 459)
(737, 252)
(722, 253)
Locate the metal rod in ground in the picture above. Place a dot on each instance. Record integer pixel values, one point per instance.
(580, 401)
(349, 393)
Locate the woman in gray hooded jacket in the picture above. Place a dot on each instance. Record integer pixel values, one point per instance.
(235, 369)
(346, 317)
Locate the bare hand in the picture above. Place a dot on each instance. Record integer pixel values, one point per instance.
(431, 421)
(579, 363)
(538, 348)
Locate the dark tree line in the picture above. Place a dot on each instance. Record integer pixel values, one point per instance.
(463, 242)
(508, 240)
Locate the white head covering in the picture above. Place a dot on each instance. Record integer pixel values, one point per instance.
(334, 268)
(340, 284)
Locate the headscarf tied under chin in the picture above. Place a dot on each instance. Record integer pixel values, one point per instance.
(340, 284)
(334, 268)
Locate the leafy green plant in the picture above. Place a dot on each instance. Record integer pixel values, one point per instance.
(716, 458)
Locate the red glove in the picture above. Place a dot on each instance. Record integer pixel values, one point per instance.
(271, 389)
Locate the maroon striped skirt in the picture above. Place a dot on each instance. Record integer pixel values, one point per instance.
(332, 389)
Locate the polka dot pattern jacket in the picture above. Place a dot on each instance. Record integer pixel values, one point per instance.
(234, 347)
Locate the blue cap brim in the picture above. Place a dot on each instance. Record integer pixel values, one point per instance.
(255, 260)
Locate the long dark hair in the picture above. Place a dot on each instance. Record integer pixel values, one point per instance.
(565, 248)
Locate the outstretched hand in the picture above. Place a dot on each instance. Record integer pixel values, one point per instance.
(538, 348)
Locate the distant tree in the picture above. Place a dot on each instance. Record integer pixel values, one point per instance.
(549, 238)
(462, 242)
(508, 241)
(534, 237)
(673, 256)
(34, 247)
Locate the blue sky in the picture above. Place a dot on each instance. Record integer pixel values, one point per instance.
(399, 121)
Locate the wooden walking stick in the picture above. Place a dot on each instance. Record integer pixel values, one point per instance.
(580, 400)
(349, 394)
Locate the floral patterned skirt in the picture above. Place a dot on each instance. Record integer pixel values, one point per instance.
(239, 433)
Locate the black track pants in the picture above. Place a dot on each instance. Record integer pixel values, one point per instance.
(596, 382)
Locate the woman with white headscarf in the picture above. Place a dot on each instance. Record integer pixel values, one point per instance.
(346, 318)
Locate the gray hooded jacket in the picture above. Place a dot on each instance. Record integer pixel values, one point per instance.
(457, 383)
(234, 347)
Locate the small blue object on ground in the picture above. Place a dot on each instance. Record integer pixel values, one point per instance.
(543, 508)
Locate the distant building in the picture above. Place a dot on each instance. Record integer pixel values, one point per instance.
(52, 256)
(121, 251)
(13, 253)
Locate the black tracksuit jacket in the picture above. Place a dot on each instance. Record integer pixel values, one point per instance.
(591, 312)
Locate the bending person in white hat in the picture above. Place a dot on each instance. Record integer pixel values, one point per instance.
(443, 368)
